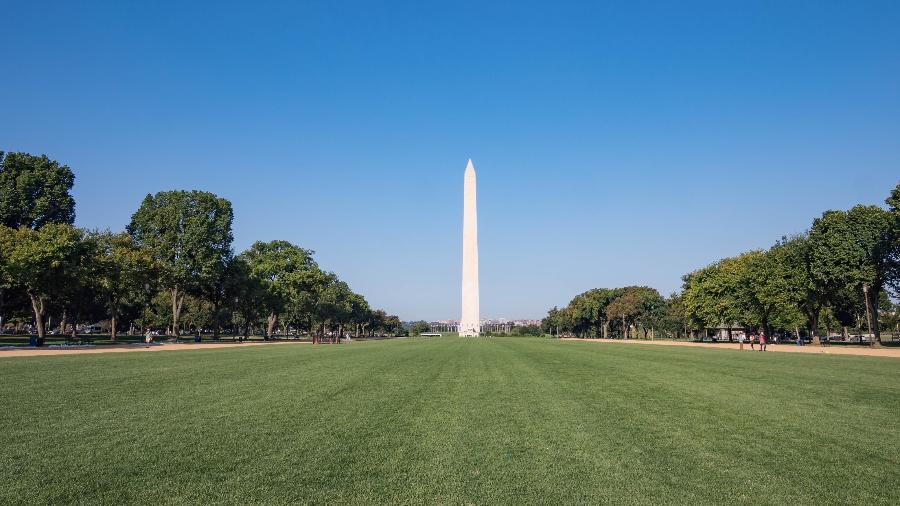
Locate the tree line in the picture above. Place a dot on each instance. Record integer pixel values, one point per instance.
(173, 267)
(632, 311)
(839, 274)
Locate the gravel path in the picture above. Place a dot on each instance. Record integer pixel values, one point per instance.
(785, 347)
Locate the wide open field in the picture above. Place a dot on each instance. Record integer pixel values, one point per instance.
(449, 420)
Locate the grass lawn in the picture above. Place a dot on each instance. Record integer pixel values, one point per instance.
(452, 421)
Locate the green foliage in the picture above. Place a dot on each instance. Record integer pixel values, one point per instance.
(34, 191)
(893, 271)
(849, 250)
(419, 327)
(178, 241)
(189, 236)
(120, 270)
(393, 325)
(594, 312)
(39, 261)
(286, 273)
(712, 294)
(805, 279)
(527, 330)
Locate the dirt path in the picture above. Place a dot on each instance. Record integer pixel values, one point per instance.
(75, 350)
(786, 348)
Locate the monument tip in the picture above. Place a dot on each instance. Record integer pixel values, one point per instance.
(469, 165)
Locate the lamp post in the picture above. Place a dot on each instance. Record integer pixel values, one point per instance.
(146, 307)
(240, 338)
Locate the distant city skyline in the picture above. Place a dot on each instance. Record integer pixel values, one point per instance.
(616, 144)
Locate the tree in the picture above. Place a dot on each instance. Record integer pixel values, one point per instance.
(120, 270)
(333, 306)
(550, 324)
(420, 327)
(711, 295)
(795, 268)
(283, 270)
(247, 292)
(893, 278)
(37, 260)
(625, 308)
(526, 330)
(188, 233)
(360, 313)
(652, 312)
(392, 324)
(676, 319)
(34, 191)
(853, 256)
(377, 320)
(768, 300)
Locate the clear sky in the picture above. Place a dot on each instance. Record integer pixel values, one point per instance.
(615, 143)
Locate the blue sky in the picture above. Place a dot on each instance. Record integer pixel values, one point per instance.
(615, 143)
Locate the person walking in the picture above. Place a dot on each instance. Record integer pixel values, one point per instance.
(762, 341)
(752, 337)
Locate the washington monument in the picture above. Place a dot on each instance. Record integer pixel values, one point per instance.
(469, 322)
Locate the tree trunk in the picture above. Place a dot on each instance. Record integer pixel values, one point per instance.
(730, 336)
(37, 304)
(177, 301)
(215, 319)
(624, 329)
(113, 317)
(270, 324)
(872, 314)
(62, 322)
(605, 329)
(813, 317)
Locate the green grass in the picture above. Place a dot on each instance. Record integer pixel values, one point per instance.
(450, 421)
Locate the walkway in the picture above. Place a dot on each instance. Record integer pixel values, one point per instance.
(784, 347)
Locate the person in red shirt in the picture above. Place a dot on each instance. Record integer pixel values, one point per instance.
(762, 341)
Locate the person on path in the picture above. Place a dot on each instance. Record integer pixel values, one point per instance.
(762, 341)
(752, 338)
(148, 338)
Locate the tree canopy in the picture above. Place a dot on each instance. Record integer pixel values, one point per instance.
(34, 191)
(188, 233)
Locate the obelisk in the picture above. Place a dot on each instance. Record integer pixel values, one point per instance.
(470, 321)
